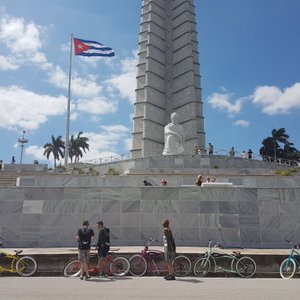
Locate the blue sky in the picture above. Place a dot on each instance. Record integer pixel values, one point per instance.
(249, 60)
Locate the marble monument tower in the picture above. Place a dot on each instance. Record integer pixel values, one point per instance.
(168, 77)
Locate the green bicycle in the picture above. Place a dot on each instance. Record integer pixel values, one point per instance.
(221, 261)
(14, 263)
(290, 265)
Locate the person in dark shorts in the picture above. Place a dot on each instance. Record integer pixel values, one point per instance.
(169, 248)
(84, 237)
(103, 245)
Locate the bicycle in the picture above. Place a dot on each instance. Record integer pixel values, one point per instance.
(148, 260)
(290, 265)
(117, 265)
(244, 266)
(14, 263)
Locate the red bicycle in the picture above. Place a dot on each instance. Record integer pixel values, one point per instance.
(153, 261)
(117, 265)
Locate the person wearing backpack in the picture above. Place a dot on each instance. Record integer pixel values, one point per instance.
(84, 237)
(103, 245)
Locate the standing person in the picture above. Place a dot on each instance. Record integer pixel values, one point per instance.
(169, 248)
(244, 154)
(84, 237)
(199, 180)
(103, 247)
(13, 161)
(210, 148)
(1, 164)
(232, 152)
(250, 153)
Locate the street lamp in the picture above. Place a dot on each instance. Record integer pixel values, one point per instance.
(22, 141)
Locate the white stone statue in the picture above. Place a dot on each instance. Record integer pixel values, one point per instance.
(174, 136)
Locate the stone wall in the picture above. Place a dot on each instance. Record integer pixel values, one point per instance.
(247, 217)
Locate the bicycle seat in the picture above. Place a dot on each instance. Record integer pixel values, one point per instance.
(18, 252)
(237, 253)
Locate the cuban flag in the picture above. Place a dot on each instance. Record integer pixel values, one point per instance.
(91, 48)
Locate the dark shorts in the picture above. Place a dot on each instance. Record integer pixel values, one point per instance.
(168, 254)
(102, 251)
(84, 255)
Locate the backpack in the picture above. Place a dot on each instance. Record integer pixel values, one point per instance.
(107, 240)
(85, 239)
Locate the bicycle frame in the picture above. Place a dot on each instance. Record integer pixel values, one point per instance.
(295, 256)
(214, 256)
(149, 256)
(13, 258)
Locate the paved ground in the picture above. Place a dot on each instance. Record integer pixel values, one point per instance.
(55, 288)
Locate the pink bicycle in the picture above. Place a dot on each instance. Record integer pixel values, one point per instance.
(153, 261)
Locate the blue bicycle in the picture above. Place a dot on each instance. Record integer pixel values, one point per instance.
(290, 265)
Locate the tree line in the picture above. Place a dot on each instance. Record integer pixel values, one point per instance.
(77, 146)
(277, 146)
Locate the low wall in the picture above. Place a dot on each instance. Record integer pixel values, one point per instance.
(242, 217)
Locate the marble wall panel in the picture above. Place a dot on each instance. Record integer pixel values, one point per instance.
(130, 220)
(31, 220)
(246, 194)
(31, 233)
(230, 236)
(248, 208)
(11, 220)
(289, 208)
(250, 235)
(51, 220)
(131, 193)
(188, 235)
(74, 193)
(112, 219)
(50, 234)
(14, 193)
(73, 220)
(207, 234)
(115, 234)
(10, 233)
(160, 206)
(269, 221)
(114, 194)
(33, 206)
(168, 194)
(249, 221)
(229, 221)
(188, 206)
(289, 195)
(268, 194)
(189, 220)
(130, 234)
(12, 206)
(150, 232)
(208, 207)
(189, 193)
(270, 236)
(290, 234)
(131, 206)
(269, 208)
(149, 193)
(52, 206)
(208, 220)
(150, 220)
(111, 206)
(290, 222)
(228, 207)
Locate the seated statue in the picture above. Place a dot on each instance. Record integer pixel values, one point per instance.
(174, 136)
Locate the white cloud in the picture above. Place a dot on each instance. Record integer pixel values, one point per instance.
(124, 84)
(23, 109)
(242, 123)
(274, 101)
(97, 105)
(36, 152)
(8, 63)
(223, 103)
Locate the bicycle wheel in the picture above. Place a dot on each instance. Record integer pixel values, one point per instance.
(72, 268)
(201, 267)
(138, 265)
(181, 266)
(119, 266)
(246, 267)
(288, 268)
(26, 266)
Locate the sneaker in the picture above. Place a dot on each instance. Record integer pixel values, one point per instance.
(167, 276)
(87, 277)
(81, 277)
(171, 277)
(102, 274)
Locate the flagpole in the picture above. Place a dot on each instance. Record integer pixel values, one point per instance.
(68, 107)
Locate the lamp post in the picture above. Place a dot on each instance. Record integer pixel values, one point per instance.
(22, 142)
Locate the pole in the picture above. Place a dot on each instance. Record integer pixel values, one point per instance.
(68, 107)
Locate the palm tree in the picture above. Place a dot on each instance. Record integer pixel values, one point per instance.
(279, 136)
(77, 145)
(56, 148)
